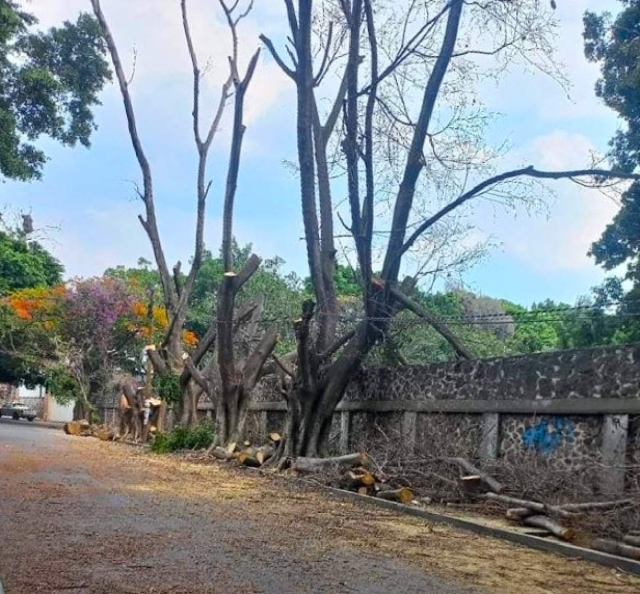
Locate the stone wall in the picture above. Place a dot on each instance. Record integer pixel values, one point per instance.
(605, 372)
(572, 409)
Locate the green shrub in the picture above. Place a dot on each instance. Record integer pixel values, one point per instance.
(184, 438)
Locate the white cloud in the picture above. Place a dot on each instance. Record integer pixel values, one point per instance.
(150, 34)
(576, 218)
(534, 93)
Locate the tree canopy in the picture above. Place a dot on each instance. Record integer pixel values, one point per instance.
(49, 84)
(613, 43)
(25, 263)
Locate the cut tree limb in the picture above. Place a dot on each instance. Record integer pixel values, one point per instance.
(264, 453)
(402, 495)
(247, 459)
(632, 540)
(616, 548)
(472, 485)
(253, 366)
(491, 483)
(354, 480)
(551, 526)
(596, 505)
(518, 513)
(536, 506)
(322, 464)
(221, 454)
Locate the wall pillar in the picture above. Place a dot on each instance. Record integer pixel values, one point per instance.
(345, 428)
(409, 424)
(262, 425)
(490, 441)
(615, 430)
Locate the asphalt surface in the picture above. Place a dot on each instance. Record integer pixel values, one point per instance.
(76, 519)
(80, 516)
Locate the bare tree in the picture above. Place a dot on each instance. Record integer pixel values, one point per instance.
(177, 288)
(434, 40)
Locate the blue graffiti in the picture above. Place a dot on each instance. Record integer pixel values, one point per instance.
(547, 436)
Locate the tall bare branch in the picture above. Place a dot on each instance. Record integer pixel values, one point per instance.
(415, 160)
(149, 224)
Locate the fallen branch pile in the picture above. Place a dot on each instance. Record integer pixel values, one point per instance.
(351, 472)
(85, 429)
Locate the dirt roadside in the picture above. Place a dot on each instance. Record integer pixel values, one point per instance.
(82, 516)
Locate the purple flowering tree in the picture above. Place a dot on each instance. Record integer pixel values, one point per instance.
(94, 336)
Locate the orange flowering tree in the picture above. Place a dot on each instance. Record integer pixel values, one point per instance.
(79, 334)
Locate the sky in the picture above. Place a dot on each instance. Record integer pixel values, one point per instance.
(86, 208)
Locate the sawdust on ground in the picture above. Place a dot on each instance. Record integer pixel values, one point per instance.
(281, 513)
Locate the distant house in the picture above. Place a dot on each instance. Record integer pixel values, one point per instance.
(38, 399)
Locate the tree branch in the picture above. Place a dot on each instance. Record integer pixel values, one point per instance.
(338, 344)
(435, 323)
(157, 361)
(194, 373)
(415, 160)
(306, 363)
(272, 50)
(325, 58)
(368, 206)
(496, 179)
(248, 270)
(253, 366)
(177, 281)
(282, 366)
(336, 108)
(150, 224)
(234, 157)
(244, 314)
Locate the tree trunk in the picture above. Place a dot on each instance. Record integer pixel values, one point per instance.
(312, 400)
(81, 410)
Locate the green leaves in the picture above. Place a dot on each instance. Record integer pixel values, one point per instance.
(614, 43)
(49, 84)
(25, 264)
(184, 438)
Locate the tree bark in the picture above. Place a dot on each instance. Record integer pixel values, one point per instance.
(616, 548)
(305, 464)
(491, 483)
(550, 525)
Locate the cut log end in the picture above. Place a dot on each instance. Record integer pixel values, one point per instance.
(244, 459)
(402, 495)
(264, 453)
(275, 437)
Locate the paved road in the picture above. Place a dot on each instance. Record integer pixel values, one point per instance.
(66, 526)
(79, 516)
(30, 436)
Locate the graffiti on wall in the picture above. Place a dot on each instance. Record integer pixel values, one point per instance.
(548, 435)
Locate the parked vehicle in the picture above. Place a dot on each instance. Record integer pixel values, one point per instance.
(17, 411)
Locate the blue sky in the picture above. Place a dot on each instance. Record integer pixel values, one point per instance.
(87, 208)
